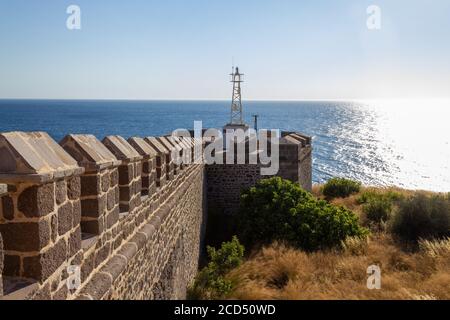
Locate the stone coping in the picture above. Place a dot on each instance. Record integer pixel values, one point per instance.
(169, 144)
(34, 157)
(295, 137)
(157, 145)
(142, 147)
(121, 148)
(89, 152)
(182, 142)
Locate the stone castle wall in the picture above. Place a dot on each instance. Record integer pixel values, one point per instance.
(122, 212)
(225, 182)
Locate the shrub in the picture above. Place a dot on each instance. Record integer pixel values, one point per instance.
(356, 246)
(370, 195)
(422, 216)
(210, 283)
(378, 209)
(435, 248)
(340, 188)
(277, 209)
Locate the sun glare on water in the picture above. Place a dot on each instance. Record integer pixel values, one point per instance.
(414, 141)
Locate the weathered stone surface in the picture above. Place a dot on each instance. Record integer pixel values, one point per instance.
(74, 188)
(92, 226)
(60, 192)
(102, 254)
(37, 201)
(54, 227)
(11, 266)
(26, 236)
(98, 286)
(157, 145)
(126, 174)
(87, 266)
(90, 185)
(112, 218)
(128, 250)
(142, 147)
(42, 266)
(126, 193)
(93, 207)
(121, 148)
(115, 266)
(140, 239)
(111, 199)
(34, 154)
(105, 182)
(8, 207)
(76, 213)
(42, 294)
(74, 242)
(65, 217)
(114, 177)
(61, 294)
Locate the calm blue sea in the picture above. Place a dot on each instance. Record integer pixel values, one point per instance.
(403, 143)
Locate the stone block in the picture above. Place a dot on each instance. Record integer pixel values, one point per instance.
(89, 152)
(65, 218)
(25, 236)
(105, 180)
(42, 266)
(90, 185)
(7, 207)
(126, 174)
(33, 156)
(37, 201)
(60, 192)
(74, 242)
(121, 149)
(114, 178)
(93, 207)
(74, 188)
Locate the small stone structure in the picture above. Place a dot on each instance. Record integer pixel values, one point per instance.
(118, 215)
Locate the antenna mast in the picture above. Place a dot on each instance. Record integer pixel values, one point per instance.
(236, 102)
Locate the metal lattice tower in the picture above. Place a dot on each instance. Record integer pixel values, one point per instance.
(236, 102)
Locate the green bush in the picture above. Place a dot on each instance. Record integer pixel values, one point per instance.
(277, 209)
(210, 282)
(369, 195)
(422, 217)
(378, 209)
(340, 188)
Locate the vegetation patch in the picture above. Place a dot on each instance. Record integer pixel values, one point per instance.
(210, 283)
(279, 210)
(422, 217)
(340, 188)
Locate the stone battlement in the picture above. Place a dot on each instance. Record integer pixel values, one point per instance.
(122, 214)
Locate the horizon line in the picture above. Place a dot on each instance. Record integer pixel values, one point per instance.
(227, 100)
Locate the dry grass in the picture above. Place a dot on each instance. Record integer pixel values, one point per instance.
(279, 272)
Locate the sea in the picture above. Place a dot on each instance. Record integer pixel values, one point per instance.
(403, 143)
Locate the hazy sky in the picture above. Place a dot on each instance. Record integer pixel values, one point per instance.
(178, 49)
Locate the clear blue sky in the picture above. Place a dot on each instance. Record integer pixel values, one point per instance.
(178, 49)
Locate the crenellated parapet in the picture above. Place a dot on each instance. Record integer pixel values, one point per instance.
(83, 203)
(149, 156)
(40, 214)
(116, 218)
